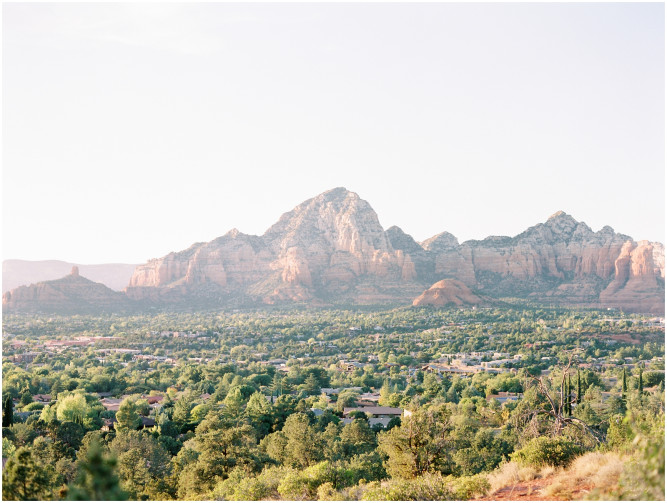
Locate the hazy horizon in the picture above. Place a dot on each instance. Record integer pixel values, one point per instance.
(287, 210)
(135, 130)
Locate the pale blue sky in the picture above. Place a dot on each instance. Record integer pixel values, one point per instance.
(133, 130)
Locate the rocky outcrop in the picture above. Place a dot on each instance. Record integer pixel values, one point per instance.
(68, 295)
(639, 280)
(332, 249)
(448, 292)
(320, 249)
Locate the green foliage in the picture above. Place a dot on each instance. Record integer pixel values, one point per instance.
(419, 445)
(23, 479)
(240, 487)
(7, 412)
(127, 416)
(207, 449)
(302, 447)
(143, 464)
(426, 487)
(77, 408)
(543, 451)
(485, 452)
(97, 479)
(467, 488)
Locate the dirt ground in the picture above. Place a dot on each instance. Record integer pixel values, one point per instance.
(532, 490)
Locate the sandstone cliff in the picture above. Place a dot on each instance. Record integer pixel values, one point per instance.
(320, 249)
(331, 249)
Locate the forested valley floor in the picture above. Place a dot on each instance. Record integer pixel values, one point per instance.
(524, 402)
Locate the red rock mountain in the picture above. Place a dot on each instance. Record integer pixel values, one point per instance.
(332, 249)
(329, 247)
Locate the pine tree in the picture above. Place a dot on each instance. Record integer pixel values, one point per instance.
(127, 417)
(97, 479)
(56, 388)
(8, 412)
(23, 479)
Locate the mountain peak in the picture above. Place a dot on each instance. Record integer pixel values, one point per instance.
(558, 215)
(337, 194)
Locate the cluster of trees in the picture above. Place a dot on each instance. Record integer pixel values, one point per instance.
(236, 427)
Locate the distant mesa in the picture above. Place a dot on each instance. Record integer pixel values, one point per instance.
(72, 294)
(331, 249)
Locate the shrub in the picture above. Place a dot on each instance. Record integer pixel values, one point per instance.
(428, 487)
(466, 488)
(542, 451)
(33, 406)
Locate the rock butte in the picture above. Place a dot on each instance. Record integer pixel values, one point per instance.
(332, 249)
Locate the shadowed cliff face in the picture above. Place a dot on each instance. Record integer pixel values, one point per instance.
(332, 249)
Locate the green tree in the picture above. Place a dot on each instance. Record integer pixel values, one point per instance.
(127, 417)
(8, 412)
(260, 414)
(26, 398)
(303, 443)
(357, 438)
(97, 479)
(23, 479)
(419, 445)
(143, 464)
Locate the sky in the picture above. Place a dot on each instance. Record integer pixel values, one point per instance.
(134, 130)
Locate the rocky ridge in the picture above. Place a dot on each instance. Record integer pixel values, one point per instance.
(70, 294)
(331, 249)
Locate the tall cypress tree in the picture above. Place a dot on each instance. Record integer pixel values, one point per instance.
(578, 387)
(8, 412)
(625, 383)
(640, 387)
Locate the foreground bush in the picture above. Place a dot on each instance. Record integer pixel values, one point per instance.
(428, 487)
(543, 451)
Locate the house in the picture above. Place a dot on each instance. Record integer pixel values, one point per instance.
(42, 398)
(383, 421)
(108, 424)
(375, 411)
(504, 396)
(111, 403)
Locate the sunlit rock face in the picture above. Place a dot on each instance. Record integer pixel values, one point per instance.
(332, 248)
